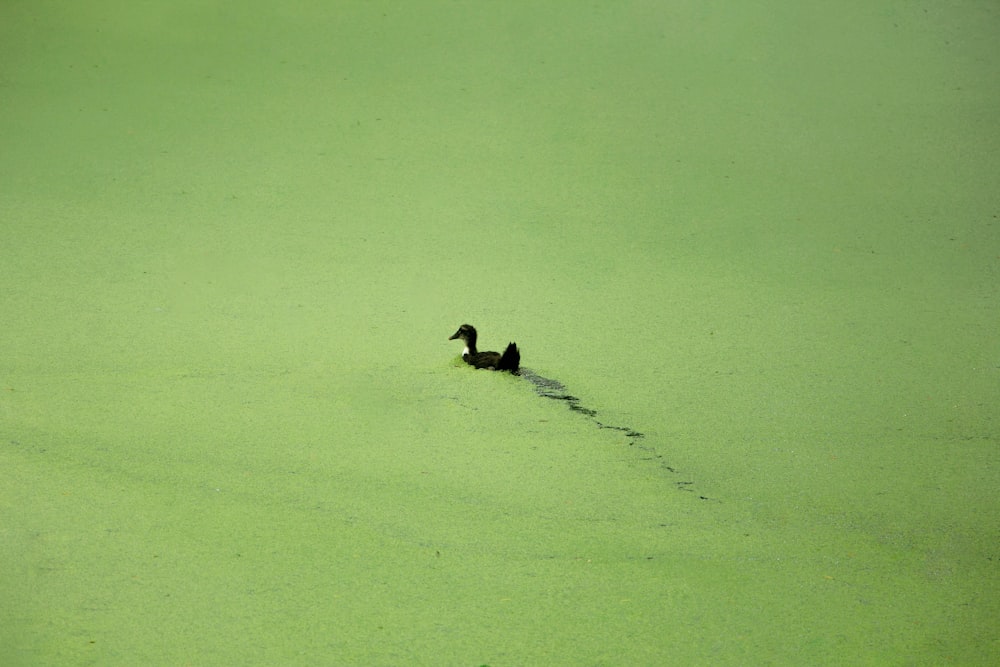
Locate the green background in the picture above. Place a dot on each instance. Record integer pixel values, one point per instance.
(234, 238)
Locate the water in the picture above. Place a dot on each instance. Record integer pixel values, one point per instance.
(752, 252)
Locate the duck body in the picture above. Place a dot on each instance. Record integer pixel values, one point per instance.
(510, 360)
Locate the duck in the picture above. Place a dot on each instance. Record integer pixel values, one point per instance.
(510, 360)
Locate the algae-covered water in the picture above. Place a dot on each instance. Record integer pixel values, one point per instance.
(761, 241)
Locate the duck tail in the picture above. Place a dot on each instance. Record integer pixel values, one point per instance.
(510, 360)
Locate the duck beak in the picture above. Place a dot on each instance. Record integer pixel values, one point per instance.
(455, 335)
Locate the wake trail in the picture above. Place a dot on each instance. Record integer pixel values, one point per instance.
(556, 391)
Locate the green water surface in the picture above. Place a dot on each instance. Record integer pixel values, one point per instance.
(234, 239)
